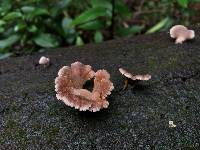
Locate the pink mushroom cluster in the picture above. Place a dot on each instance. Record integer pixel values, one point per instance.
(69, 87)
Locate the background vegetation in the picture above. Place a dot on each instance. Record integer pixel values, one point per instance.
(29, 25)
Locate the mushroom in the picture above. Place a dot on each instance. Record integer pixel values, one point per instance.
(133, 77)
(102, 88)
(44, 61)
(181, 33)
(69, 87)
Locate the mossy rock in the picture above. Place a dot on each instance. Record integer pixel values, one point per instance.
(137, 118)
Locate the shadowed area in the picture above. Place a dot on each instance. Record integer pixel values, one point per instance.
(137, 118)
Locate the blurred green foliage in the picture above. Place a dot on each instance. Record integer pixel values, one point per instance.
(33, 24)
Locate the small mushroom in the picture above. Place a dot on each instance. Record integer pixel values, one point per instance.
(133, 77)
(69, 87)
(44, 61)
(171, 124)
(181, 33)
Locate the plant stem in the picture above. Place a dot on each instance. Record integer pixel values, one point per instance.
(112, 27)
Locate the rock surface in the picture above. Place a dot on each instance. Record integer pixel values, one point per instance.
(137, 118)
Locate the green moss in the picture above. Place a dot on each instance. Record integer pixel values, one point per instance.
(171, 62)
(152, 62)
(11, 124)
(124, 126)
(21, 133)
(50, 133)
(189, 148)
(14, 130)
(13, 107)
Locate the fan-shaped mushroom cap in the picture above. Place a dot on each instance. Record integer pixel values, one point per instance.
(102, 83)
(181, 33)
(102, 88)
(44, 60)
(134, 77)
(69, 87)
(125, 73)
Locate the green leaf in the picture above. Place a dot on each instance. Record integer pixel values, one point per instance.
(32, 29)
(31, 12)
(101, 3)
(5, 6)
(12, 16)
(9, 41)
(39, 12)
(27, 9)
(122, 10)
(46, 40)
(130, 30)
(63, 3)
(159, 25)
(19, 26)
(66, 26)
(169, 24)
(2, 29)
(79, 41)
(69, 31)
(91, 14)
(183, 3)
(98, 37)
(93, 25)
(6, 55)
(2, 22)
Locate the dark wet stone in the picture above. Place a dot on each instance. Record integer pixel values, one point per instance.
(137, 118)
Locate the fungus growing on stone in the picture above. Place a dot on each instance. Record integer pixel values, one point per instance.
(44, 61)
(171, 124)
(133, 77)
(69, 87)
(181, 33)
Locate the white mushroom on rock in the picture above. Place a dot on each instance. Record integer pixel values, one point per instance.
(181, 33)
(44, 61)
